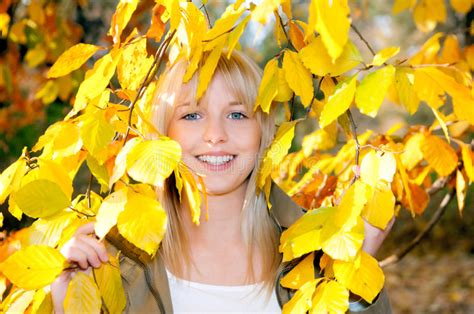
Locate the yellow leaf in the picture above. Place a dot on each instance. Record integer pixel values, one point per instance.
(121, 160)
(42, 302)
(207, 70)
(10, 178)
(72, 59)
(342, 243)
(264, 9)
(380, 207)
(97, 79)
(153, 161)
(350, 206)
(134, 65)
(296, 35)
(404, 81)
(4, 21)
(304, 235)
(192, 192)
(121, 17)
(279, 31)
(284, 91)
(268, 88)
(82, 295)
(428, 52)
(146, 230)
(110, 285)
(298, 77)
(412, 153)
(96, 132)
(460, 190)
(236, 34)
(378, 169)
(322, 139)
(461, 6)
(451, 50)
(277, 151)
(48, 93)
(47, 231)
(109, 211)
(428, 13)
(33, 267)
(300, 274)
(468, 161)
(428, 90)
(17, 301)
(439, 154)
(372, 90)
(338, 102)
(36, 56)
(402, 5)
(301, 301)
(330, 297)
(440, 118)
(225, 23)
(365, 278)
(41, 198)
(323, 64)
(383, 55)
(173, 8)
(332, 23)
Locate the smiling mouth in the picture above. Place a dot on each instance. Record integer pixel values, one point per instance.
(216, 160)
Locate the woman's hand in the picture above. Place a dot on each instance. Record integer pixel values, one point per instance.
(374, 236)
(85, 251)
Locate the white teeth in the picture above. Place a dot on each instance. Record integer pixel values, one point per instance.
(216, 160)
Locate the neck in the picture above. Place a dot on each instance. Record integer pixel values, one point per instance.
(224, 221)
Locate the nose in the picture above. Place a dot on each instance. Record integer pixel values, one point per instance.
(214, 131)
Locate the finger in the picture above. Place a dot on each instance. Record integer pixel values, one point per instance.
(98, 247)
(77, 256)
(89, 250)
(87, 228)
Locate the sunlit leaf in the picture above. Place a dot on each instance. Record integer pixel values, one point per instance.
(298, 77)
(404, 83)
(439, 154)
(17, 301)
(109, 211)
(380, 207)
(41, 198)
(268, 88)
(343, 243)
(330, 297)
(412, 153)
(323, 64)
(383, 55)
(365, 279)
(338, 102)
(460, 190)
(110, 286)
(82, 295)
(153, 161)
(207, 70)
(377, 168)
(468, 161)
(427, 13)
(300, 274)
(47, 231)
(121, 17)
(147, 229)
(372, 90)
(33, 267)
(72, 59)
(301, 301)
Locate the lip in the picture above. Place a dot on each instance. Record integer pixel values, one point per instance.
(216, 168)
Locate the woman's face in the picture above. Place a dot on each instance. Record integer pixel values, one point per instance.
(219, 138)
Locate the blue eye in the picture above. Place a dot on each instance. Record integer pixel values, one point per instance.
(237, 116)
(191, 116)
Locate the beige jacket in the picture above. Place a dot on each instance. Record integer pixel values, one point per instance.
(146, 283)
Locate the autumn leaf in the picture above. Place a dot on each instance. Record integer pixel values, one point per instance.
(33, 267)
(412, 153)
(82, 295)
(427, 13)
(439, 154)
(330, 297)
(110, 286)
(268, 88)
(404, 83)
(364, 278)
(300, 274)
(153, 161)
(72, 59)
(109, 211)
(323, 64)
(301, 301)
(338, 102)
(372, 90)
(298, 77)
(121, 17)
(134, 65)
(383, 55)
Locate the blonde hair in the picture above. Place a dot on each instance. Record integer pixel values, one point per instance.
(242, 76)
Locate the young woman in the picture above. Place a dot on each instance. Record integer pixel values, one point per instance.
(231, 261)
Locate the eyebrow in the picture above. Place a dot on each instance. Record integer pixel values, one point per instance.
(232, 103)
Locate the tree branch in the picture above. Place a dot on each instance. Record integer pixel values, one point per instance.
(363, 39)
(394, 258)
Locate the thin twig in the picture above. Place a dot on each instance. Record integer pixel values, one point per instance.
(203, 6)
(88, 193)
(434, 220)
(150, 74)
(363, 39)
(286, 34)
(80, 213)
(357, 144)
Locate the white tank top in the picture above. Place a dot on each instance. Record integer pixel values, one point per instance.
(194, 297)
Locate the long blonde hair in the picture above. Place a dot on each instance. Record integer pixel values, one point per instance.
(259, 232)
